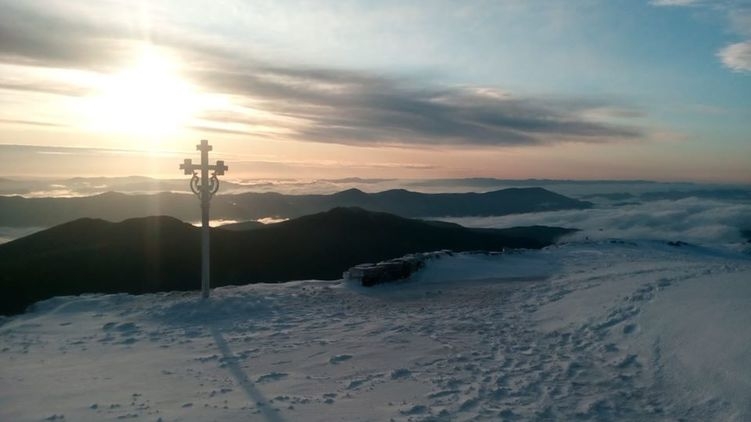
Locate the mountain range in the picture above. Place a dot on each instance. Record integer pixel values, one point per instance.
(17, 211)
(162, 253)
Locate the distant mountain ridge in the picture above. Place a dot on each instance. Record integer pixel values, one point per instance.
(162, 253)
(17, 211)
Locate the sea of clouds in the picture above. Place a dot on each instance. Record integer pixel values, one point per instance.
(706, 214)
(86, 186)
(694, 220)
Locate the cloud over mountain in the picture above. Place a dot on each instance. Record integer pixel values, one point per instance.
(699, 220)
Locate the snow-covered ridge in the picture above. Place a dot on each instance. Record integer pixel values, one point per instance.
(590, 331)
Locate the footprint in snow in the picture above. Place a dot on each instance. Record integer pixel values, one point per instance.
(339, 358)
(127, 327)
(272, 376)
(355, 383)
(400, 373)
(414, 410)
(630, 328)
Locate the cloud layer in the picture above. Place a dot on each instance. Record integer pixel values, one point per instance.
(692, 220)
(304, 103)
(354, 108)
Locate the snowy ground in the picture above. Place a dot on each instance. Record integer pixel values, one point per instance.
(584, 331)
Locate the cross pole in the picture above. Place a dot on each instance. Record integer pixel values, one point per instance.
(204, 187)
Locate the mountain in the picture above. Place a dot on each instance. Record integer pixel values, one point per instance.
(18, 211)
(722, 194)
(162, 253)
(243, 225)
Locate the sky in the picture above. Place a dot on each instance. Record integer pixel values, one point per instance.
(576, 89)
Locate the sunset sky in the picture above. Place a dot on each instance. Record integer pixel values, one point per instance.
(576, 89)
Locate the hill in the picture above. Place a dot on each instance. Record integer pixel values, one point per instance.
(17, 211)
(587, 331)
(162, 253)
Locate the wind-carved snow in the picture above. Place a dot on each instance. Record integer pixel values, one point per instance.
(586, 331)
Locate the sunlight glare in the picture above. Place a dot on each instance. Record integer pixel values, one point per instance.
(149, 99)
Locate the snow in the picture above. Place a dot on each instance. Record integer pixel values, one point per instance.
(600, 330)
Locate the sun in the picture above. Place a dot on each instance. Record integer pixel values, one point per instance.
(149, 99)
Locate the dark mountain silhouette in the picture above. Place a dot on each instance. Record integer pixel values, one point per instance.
(24, 212)
(617, 196)
(243, 225)
(162, 253)
(489, 182)
(719, 194)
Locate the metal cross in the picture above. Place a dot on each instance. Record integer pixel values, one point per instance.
(204, 187)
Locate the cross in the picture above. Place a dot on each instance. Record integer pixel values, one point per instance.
(204, 187)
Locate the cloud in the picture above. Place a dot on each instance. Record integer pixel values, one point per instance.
(737, 56)
(45, 88)
(11, 233)
(31, 123)
(355, 108)
(98, 36)
(673, 2)
(695, 220)
(42, 37)
(303, 103)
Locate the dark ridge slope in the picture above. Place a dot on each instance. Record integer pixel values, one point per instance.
(162, 253)
(18, 211)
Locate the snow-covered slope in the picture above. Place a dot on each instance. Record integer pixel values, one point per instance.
(586, 331)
